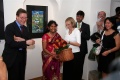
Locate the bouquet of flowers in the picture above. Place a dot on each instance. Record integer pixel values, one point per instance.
(60, 45)
(61, 48)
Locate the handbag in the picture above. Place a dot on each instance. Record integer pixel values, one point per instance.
(98, 49)
(92, 55)
(95, 50)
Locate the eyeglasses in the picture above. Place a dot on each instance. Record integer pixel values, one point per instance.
(23, 18)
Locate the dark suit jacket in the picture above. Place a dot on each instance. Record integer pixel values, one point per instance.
(11, 47)
(85, 35)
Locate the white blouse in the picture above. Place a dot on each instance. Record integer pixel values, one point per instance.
(75, 36)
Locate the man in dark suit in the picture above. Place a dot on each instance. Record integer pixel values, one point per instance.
(17, 39)
(85, 35)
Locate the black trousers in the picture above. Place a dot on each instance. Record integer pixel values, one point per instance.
(17, 71)
(73, 70)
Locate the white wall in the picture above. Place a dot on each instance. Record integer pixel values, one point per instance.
(58, 10)
(34, 61)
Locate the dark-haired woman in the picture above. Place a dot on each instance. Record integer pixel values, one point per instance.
(51, 64)
(110, 44)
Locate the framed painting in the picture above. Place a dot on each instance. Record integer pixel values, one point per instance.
(1, 20)
(37, 20)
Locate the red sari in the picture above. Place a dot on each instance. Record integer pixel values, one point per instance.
(51, 66)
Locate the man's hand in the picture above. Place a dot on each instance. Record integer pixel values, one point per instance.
(99, 23)
(30, 42)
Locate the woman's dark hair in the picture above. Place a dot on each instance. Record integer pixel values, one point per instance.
(52, 22)
(95, 36)
(49, 24)
(113, 21)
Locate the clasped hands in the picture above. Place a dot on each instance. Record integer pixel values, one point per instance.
(100, 25)
(28, 42)
(54, 55)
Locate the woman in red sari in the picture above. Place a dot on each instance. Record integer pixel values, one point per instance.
(51, 64)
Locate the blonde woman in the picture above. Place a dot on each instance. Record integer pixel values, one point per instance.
(71, 68)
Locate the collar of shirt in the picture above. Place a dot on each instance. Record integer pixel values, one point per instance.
(18, 25)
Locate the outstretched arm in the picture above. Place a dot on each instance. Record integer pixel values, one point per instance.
(3, 70)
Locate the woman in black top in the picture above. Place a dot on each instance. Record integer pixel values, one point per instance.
(110, 44)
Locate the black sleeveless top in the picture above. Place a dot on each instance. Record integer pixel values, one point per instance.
(108, 42)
